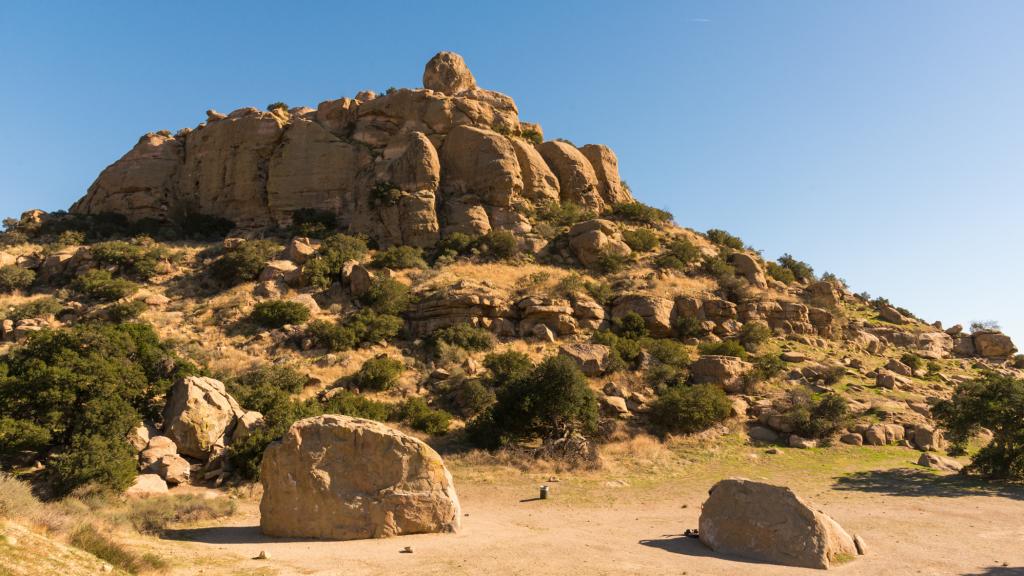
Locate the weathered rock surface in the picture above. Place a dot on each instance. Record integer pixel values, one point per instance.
(656, 312)
(938, 462)
(991, 344)
(401, 168)
(771, 524)
(725, 371)
(199, 415)
(346, 478)
(594, 240)
(591, 358)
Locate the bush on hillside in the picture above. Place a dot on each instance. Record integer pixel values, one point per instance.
(550, 402)
(325, 266)
(801, 270)
(125, 311)
(639, 213)
(814, 416)
(363, 327)
(351, 404)
(418, 415)
(72, 396)
(278, 313)
(243, 263)
(380, 373)
(313, 223)
(678, 255)
(467, 397)
(38, 308)
(994, 402)
(723, 348)
(498, 245)
(14, 278)
(563, 214)
(400, 257)
(753, 334)
(140, 258)
(465, 336)
(689, 409)
(98, 284)
(387, 296)
(723, 238)
(780, 273)
(631, 325)
(641, 240)
(669, 362)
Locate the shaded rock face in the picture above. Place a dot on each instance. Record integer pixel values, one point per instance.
(771, 524)
(725, 371)
(401, 168)
(993, 345)
(344, 478)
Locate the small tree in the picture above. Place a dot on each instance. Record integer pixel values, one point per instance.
(689, 409)
(995, 402)
(278, 313)
(101, 285)
(14, 278)
(678, 255)
(380, 373)
(243, 263)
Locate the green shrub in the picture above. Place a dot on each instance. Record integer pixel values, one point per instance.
(331, 335)
(243, 263)
(313, 223)
(631, 325)
(563, 214)
(689, 327)
(753, 334)
(689, 409)
(416, 414)
(325, 266)
(723, 348)
(278, 313)
(101, 285)
(357, 406)
(780, 273)
(814, 416)
(669, 361)
(723, 238)
(641, 239)
(717, 267)
(498, 245)
(139, 258)
(507, 367)
(125, 311)
(639, 213)
(14, 278)
(678, 255)
(363, 327)
(38, 308)
(467, 396)
(913, 360)
(387, 296)
(399, 257)
(380, 373)
(73, 395)
(610, 263)
(551, 401)
(767, 366)
(277, 105)
(995, 402)
(801, 270)
(465, 336)
(456, 244)
(258, 388)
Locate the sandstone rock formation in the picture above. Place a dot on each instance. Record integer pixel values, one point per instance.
(345, 478)
(199, 415)
(771, 524)
(402, 168)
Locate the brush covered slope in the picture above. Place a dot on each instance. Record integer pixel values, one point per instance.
(423, 257)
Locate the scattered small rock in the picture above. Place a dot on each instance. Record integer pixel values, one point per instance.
(406, 550)
(263, 555)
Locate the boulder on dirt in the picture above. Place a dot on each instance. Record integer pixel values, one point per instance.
(174, 469)
(156, 448)
(345, 478)
(932, 460)
(771, 524)
(725, 371)
(927, 439)
(146, 485)
(199, 414)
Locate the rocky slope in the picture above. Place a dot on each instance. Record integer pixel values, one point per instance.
(402, 168)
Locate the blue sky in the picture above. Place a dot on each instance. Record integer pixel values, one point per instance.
(879, 140)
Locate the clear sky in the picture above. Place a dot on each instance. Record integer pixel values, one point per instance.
(879, 140)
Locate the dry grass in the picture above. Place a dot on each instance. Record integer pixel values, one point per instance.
(503, 276)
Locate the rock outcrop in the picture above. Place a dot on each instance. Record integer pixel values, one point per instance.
(771, 524)
(345, 478)
(199, 416)
(405, 167)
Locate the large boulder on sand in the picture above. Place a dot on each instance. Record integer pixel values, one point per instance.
(199, 414)
(771, 524)
(345, 478)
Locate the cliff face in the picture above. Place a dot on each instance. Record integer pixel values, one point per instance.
(403, 168)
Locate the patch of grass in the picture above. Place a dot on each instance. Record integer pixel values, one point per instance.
(155, 514)
(90, 539)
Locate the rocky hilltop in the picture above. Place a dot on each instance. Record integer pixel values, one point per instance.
(405, 167)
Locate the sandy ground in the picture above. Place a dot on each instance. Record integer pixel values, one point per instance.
(608, 522)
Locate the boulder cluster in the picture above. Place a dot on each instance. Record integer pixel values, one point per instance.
(405, 167)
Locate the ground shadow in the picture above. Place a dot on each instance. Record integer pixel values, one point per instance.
(680, 544)
(910, 482)
(998, 571)
(226, 535)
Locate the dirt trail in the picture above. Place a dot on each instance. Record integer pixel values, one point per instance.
(913, 522)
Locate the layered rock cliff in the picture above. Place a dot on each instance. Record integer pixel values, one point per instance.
(405, 167)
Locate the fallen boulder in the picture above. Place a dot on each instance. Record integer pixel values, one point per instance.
(199, 415)
(345, 478)
(771, 524)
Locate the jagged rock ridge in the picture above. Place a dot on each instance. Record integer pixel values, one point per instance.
(403, 168)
